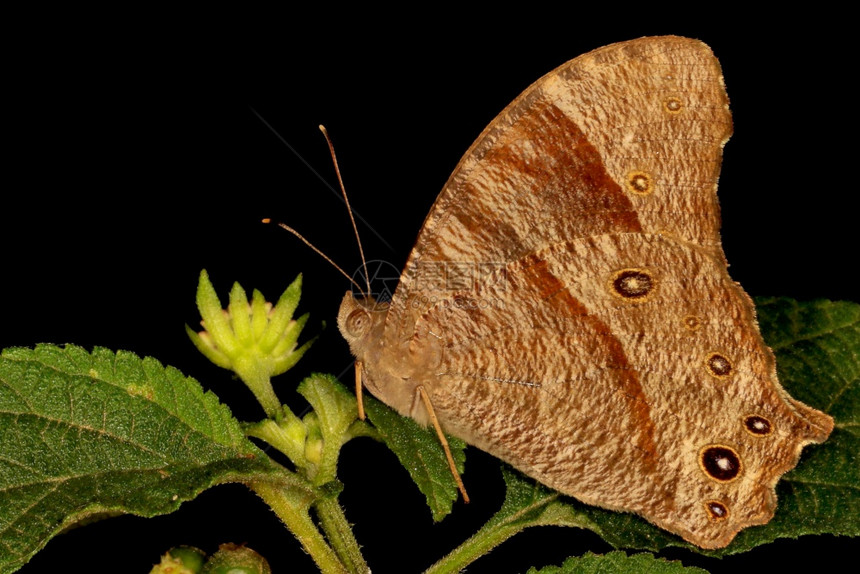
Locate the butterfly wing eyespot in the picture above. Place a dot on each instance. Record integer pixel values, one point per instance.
(758, 425)
(632, 285)
(640, 183)
(718, 365)
(717, 511)
(721, 463)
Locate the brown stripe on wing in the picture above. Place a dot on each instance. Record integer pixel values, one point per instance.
(535, 182)
(538, 276)
(538, 182)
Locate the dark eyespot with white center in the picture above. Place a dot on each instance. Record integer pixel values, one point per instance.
(757, 425)
(717, 511)
(632, 284)
(718, 365)
(720, 462)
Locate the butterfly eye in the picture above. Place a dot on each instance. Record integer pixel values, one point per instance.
(358, 323)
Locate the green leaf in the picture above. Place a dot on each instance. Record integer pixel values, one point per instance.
(617, 563)
(527, 503)
(84, 435)
(421, 453)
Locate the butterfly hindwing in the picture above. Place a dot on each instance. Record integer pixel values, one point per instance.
(610, 389)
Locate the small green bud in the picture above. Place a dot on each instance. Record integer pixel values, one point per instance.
(180, 560)
(235, 559)
(314, 441)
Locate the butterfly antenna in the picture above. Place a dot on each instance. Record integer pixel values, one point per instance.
(348, 206)
(319, 252)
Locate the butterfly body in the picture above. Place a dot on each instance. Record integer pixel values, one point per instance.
(567, 306)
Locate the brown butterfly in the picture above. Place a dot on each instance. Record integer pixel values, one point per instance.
(567, 306)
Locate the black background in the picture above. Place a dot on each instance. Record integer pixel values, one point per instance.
(138, 158)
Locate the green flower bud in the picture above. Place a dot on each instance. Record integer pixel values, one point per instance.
(314, 442)
(180, 560)
(235, 559)
(255, 340)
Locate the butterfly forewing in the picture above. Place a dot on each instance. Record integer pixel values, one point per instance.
(593, 147)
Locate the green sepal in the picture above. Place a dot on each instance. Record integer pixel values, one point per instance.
(336, 410)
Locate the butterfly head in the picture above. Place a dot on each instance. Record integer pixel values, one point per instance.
(361, 321)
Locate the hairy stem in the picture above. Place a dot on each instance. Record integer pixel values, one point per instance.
(340, 535)
(479, 544)
(292, 507)
(259, 381)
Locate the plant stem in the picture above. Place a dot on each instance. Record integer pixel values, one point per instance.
(287, 435)
(258, 379)
(340, 535)
(479, 544)
(292, 508)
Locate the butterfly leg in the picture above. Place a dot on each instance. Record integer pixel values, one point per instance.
(426, 398)
(358, 389)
